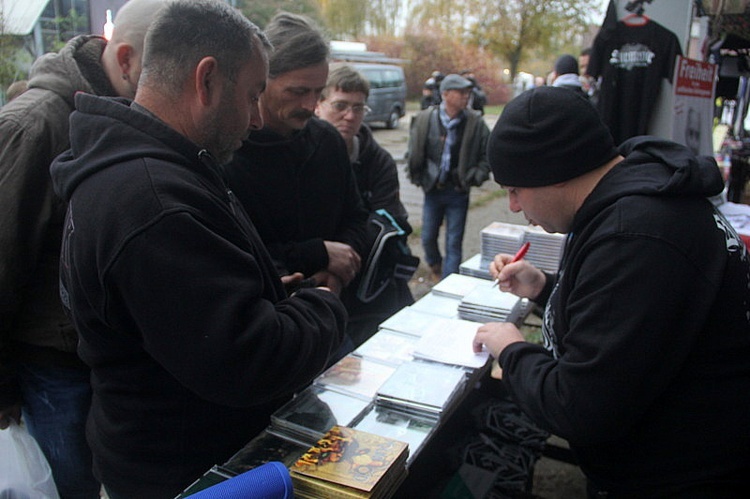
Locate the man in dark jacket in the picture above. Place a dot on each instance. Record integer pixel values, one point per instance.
(647, 323)
(343, 103)
(191, 338)
(294, 177)
(447, 157)
(566, 75)
(39, 369)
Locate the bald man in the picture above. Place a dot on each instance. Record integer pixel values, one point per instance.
(41, 376)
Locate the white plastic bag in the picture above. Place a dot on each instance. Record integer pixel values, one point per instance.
(24, 471)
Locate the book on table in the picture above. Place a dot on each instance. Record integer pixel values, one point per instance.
(350, 463)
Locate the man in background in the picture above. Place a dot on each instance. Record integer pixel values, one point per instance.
(566, 74)
(343, 103)
(40, 371)
(191, 337)
(447, 157)
(294, 177)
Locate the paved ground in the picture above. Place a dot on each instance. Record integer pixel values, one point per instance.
(552, 479)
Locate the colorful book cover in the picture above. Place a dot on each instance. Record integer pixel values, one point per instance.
(353, 458)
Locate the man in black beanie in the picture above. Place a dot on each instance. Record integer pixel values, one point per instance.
(644, 368)
(566, 74)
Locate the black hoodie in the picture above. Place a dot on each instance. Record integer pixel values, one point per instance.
(648, 332)
(191, 338)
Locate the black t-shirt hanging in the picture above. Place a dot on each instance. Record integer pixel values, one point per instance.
(632, 60)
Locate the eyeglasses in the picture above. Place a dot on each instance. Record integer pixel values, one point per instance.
(342, 107)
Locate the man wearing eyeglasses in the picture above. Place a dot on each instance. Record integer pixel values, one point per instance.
(293, 177)
(447, 157)
(343, 103)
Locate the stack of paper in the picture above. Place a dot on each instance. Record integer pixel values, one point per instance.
(450, 341)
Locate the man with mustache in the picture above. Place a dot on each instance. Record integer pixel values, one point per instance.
(294, 177)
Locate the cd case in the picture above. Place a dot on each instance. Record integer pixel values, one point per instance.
(356, 376)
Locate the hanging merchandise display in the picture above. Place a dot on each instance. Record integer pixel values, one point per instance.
(693, 104)
(631, 57)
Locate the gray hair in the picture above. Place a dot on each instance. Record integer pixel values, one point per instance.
(186, 31)
(345, 79)
(298, 43)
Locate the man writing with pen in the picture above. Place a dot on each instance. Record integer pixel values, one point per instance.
(646, 364)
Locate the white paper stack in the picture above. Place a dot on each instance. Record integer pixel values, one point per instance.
(450, 341)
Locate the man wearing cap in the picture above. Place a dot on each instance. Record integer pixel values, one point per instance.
(566, 74)
(447, 157)
(644, 368)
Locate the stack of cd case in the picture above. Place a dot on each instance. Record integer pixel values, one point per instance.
(489, 304)
(476, 266)
(457, 285)
(421, 388)
(409, 428)
(388, 346)
(313, 412)
(356, 376)
(545, 250)
(264, 448)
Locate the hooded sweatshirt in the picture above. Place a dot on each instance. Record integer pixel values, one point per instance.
(33, 130)
(190, 336)
(300, 191)
(647, 329)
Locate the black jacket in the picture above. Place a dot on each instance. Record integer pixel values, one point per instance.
(190, 336)
(648, 331)
(300, 191)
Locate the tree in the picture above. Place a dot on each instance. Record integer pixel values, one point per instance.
(512, 28)
(11, 55)
(261, 11)
(345, 19)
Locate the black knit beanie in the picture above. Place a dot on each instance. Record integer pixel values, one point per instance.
(566, 64)
(545, 136)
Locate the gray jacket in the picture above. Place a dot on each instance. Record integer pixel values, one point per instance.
(33, 131)
(473, 166)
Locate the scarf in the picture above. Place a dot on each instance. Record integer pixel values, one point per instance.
(450, 139)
